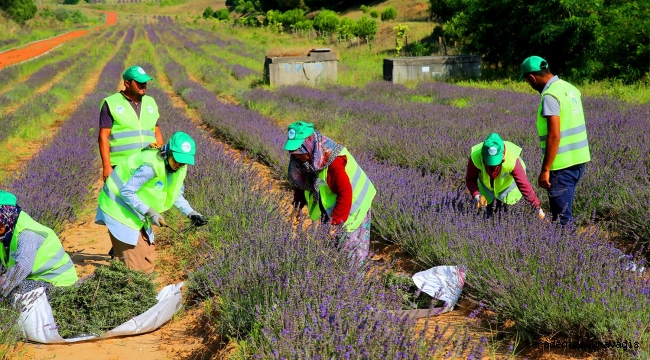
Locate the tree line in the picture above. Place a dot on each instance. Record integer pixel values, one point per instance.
(587, 39)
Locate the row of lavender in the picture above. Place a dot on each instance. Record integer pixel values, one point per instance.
(285, 293)
(224, 118)
(42, 103)
(545, 291)
(238, 71)
(62, 171)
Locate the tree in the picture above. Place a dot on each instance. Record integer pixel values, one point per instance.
(222, 14)
(19, 10)
(345, 27)
(326, 21)
(366, 28)
(389, 13)
(208, 13)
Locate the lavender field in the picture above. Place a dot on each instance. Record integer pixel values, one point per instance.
(278, 291)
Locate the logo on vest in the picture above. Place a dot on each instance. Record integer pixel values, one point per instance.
(150, 109)
(291, 134)
(186, 147)
(159, 185)
(492, 151)
(141, 70)
(120, 110)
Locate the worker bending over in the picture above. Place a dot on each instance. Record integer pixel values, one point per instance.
(31, 254)
(496, 176)
(138, 190)
(329, 181)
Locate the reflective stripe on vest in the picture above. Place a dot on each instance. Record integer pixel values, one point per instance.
(159, 193)
(118, 199)
(506, 189)
(363, 191)
(574, 145)
(130, 133)
(52, 263)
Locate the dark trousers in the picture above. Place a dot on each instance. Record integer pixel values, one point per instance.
(562, 190)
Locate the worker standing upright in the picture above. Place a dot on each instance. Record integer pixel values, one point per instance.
(329, 181)
(31, 253)
(138, 191)
(124, 129)
(496, 176)
(562, 135)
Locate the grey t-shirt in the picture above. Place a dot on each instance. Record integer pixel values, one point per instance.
(550, 105)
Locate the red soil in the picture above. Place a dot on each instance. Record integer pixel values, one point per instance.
(18, 55)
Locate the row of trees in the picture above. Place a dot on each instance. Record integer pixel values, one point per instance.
(590, 39)
(327, 22)
(284, 5)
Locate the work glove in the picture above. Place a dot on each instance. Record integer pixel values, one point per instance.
(155, 218)
(540, 213)
(197, 219)
(480, 201)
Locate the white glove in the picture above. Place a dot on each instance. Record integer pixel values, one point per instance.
(540, 213)
(155, 218)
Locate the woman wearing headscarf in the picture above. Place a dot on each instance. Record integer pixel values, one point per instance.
(329, 181)
(31, 254)
(138, 190)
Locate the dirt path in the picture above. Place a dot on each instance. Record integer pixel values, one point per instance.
(35, 49)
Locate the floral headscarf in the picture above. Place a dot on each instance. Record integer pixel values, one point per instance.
(322, 152)
(8, 217)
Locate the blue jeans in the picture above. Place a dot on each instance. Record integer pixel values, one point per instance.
(560, 194)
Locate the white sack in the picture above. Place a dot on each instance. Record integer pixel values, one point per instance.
(38, 325)
(443, 283)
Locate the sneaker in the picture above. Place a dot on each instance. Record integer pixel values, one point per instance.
(111, 253)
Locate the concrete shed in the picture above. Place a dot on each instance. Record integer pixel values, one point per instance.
(319, 65)
(399, 70)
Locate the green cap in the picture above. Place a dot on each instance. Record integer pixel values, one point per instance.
(492, 150)
(532, 64)
(297, 133)
(136, 73)
(182, 147)
(7, 198)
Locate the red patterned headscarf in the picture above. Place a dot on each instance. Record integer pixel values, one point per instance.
(322, 152)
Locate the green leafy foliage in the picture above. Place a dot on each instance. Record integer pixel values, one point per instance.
(364, 9)
(366, 28)
(19, 10)
(70, 2)
(374, 13)
(110, 297)
(590, 39)
(208, 12)
(346, 27)
(388, 14)
(222, 14)
(326, 21)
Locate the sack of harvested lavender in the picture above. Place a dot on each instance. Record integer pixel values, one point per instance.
(114, 301)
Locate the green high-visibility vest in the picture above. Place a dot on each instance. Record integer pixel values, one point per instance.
(130, 134)
(362, 194)
(574, 147)
(52, 263)
(505, 188)
(159, 193)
